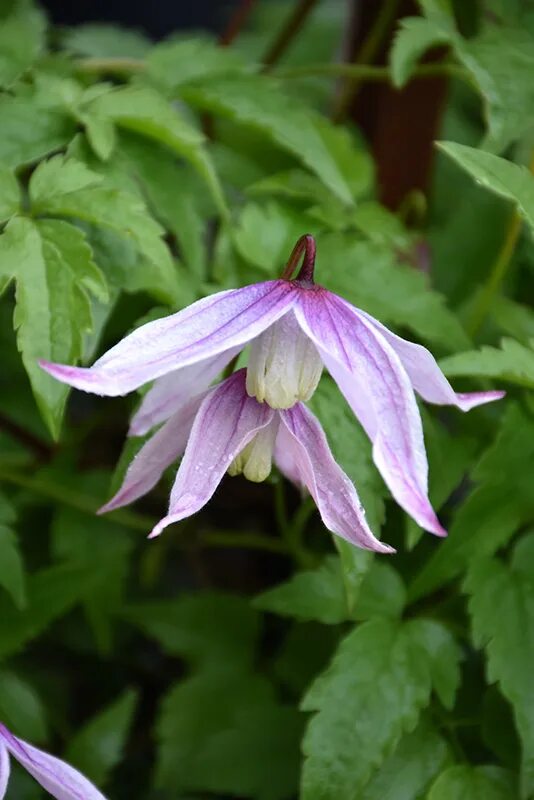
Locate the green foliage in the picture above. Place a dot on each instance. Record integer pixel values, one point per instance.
(245, 652)
(354, 728)
(513, 362)
(99, 745)
(500, 176)
(473, 783)
(505, 630)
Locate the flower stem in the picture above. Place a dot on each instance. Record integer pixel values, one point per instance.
(286, 35)
(305, 246)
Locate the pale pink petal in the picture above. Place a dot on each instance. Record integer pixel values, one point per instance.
(158, 453)
(335, 496)
(172, 391)
(226, 422)
(58, 778)
(210, 326)
(426, 377)
(375, 384)
(4, 769)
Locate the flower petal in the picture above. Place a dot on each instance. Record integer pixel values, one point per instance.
(204, 329)
(155, 456)
(376, 386)
(4, 769)
(172, 391)
(226, 422)
(335, 496)
(58, 778)
(426, 377)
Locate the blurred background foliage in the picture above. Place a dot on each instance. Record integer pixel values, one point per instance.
(245, 653)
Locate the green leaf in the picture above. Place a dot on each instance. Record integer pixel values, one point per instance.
(210, 629)
(12, 576)
(9, 194)
(493, 511)
(407, 772)
(463, 782)
(76, 252)
(21, 708)
(360, 271)
(57, 176)
(184, 213)
(259, 103)
(382, 593)
(501, 61)
(145, 111)
(98, 747)
(53, 268)
(497, 174)
(414, 37)
(100, 132)
(28, 133)
(312, 595)
(174, 63)
(513, 318)
(21, 41)
(513, 363)
(265, 235)
(225, 733)
(98, 40)
(506, 630)
(51, 593)
(124, 214)
(354, 728)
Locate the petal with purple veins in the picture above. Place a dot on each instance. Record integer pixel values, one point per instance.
(58, 778)
(158, 453)
(226, 422)
(204, 329)
(426, 377)
(172, 391)
(4, 769)
(376, 386)
(302, 436)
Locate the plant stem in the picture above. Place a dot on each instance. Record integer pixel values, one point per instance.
(366, 55)
(236, 23)
(250, 541)
(286, 35)
(499, 269)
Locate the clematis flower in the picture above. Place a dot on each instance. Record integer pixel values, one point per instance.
(294, 327)
(226, 430)
(58, 778)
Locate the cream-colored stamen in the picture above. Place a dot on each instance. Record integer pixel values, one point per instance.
(255, 460)
(284, 365)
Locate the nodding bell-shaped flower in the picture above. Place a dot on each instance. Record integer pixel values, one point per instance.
(58, 778)
(294, 327)
(226, 430)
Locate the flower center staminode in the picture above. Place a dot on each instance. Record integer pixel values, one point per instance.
(284, 366)
(256, 458)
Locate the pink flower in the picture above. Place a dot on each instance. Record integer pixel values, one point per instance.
(59, 779)
(294, 328)
(227, 430)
